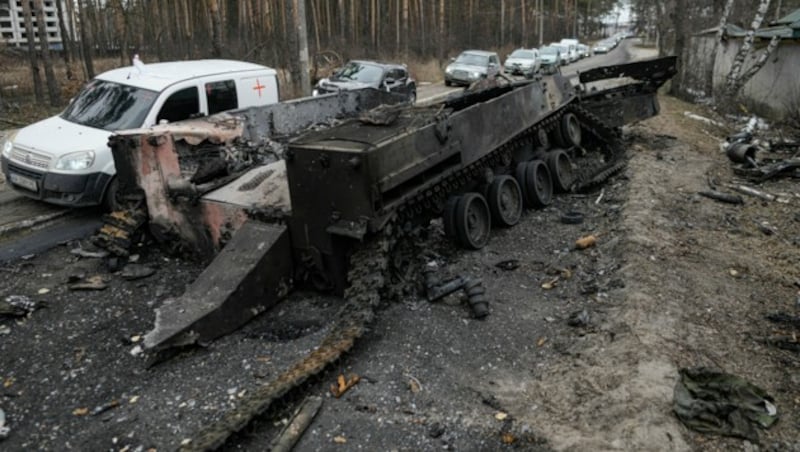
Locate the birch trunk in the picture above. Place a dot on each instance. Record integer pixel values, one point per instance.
(733, 80)
(723, 22)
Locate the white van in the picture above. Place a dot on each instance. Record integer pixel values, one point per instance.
(572, 49)
(65, 159)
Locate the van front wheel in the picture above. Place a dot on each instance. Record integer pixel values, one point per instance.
(111, 200)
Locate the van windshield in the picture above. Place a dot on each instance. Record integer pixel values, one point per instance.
(110, 106)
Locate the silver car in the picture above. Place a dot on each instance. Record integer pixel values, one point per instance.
(470, 66)
(551, 59)
(523, 62)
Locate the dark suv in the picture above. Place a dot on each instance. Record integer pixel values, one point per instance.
(363, 74)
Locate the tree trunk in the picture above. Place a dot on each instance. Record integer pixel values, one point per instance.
(86, 46)
(679, 24)
(723, 23)
(733, 82)
(66, 42)
(32, 56)
(53, 90)
(216, 29)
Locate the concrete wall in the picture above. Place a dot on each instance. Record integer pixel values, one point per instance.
(774, 92)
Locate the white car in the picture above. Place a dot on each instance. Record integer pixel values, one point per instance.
(65, 159)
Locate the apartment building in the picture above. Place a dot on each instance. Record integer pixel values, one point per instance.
(12, 24)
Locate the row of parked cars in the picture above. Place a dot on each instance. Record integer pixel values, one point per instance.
(610, 43)
(472, 65)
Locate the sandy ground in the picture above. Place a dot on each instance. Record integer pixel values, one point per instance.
(676, 280)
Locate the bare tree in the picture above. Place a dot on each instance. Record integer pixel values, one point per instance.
(734, 81)
(32, 56)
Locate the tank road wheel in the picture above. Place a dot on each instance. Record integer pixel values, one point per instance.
(519, 175)
(568, 131)
(560, 166)
(541, 137)
(473, 221)
(505, 201)
(539, 184)
(449, 218)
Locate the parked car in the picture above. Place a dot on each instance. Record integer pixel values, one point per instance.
(522, 62)
(358, 74)
(65, 159)
(566, 58)
(471, 65)
(550, 59)
(603, 47)
(584, 51)
(572, 49)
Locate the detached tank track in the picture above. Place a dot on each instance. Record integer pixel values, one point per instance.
(367, 277)
(368, 265)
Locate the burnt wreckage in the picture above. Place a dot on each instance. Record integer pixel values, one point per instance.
(318, 190)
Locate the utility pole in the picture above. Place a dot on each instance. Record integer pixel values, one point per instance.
(302, 43)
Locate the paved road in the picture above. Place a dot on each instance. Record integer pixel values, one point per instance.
(28, 226)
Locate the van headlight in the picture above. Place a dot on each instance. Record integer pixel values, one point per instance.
(475, 75)
(76, 161)
(7, 144)
(448, 70)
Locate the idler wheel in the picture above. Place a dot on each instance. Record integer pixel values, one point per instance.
(505, 201)
(539, 184)
(473, 222)
(568, 131)
(560, 166)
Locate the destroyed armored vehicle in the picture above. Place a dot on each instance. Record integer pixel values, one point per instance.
(317, 192)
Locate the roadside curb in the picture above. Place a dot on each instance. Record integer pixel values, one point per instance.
(28, 223)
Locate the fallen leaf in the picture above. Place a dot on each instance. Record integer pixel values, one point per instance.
(585, 242)
(733, 273)
(566, 273)
(414, 384)
(550, 284)
(339, 439)
(541, 341)
(136, 338)
(80, 411)
(501, 416)
(8, 382)
(43, 291)
(264, 359)
(133, 399)
(342, 384)
(508, 438)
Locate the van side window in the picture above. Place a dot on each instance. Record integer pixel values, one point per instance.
(181, 105)
(221, 96)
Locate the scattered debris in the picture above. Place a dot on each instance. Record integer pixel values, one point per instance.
(476, 298)
(508, 438)
(508, 265)
(711, 401)
(722, 197)
(586, 242)
(766, 228)
(286, 440)
(413, 384)
(19, 305)
(83, 411)
(445, 289)
(100, 409)
(132, 272)
(4, 330)
(702, 119)
(571, 217)
(547, 285)
(95, 282)
(4, 430)
(579, 318)
(501, 415)
(343, 385)
(340, 439)
(82, 252)
(747, 190)
(436, 430)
